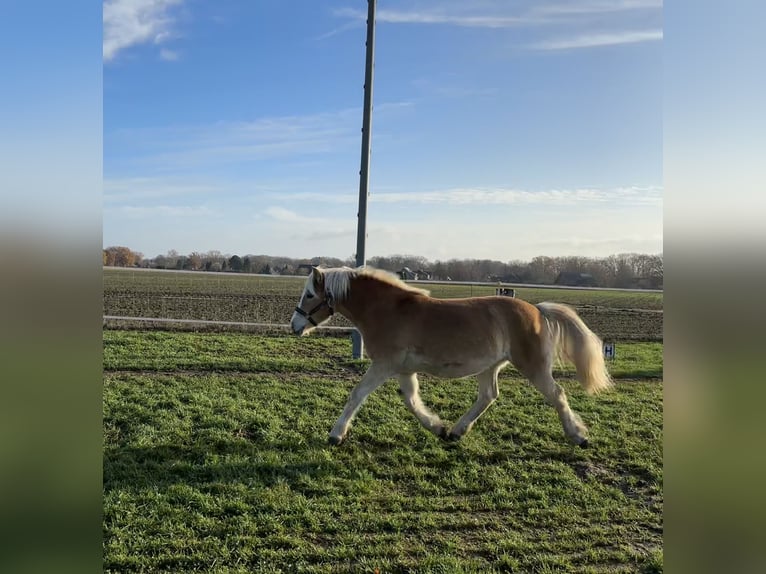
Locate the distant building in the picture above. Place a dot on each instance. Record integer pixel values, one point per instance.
(509, 278)
(574, 279)
(646, 283)
(304, 269)
(407, 274)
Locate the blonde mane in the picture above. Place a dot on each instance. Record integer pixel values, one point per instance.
(337, 280)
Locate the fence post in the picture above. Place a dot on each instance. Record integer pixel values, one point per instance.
(364, 171)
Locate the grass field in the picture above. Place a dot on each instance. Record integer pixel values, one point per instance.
(215, 460)
(614, 315)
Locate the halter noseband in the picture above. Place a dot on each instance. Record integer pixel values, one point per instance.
(308, 314)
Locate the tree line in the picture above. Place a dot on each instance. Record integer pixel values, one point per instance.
(624, 270)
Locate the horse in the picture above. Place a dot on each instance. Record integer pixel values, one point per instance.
(406, 331)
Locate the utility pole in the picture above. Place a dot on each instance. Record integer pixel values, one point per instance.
(364, 171)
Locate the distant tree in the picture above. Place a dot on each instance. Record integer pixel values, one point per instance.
(598, 270)
(520, 269)
(656, 271)
(439, 270)
(456, 269)
(160, 262)
(621, 270)
(213, 260)
(258, 263)
(119, 256)
(332, 261)
(171, 260)
(236, 263)
(648, 269)
(625, 272)
(543, 270)
(194, 261)
(574, 264)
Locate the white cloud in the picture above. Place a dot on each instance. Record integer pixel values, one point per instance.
(168, 55)
(425, 17)
(635, 195)
(174, 211)
(518, 237)
(470, 233)
(302, 228)
(132, 22)
(599, 40)
(225, 142)
(596, 7)
(500, 14)
(282, 214)
(327, 234)
(471, 196)
(285, 215)
(579, 17)
(135, 188)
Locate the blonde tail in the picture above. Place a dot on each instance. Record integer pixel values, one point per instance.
(573, 339)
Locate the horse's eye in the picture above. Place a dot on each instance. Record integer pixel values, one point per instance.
(309, 296)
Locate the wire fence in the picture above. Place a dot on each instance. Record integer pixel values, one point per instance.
(170, 299)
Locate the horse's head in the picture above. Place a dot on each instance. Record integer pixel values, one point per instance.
(315, 305)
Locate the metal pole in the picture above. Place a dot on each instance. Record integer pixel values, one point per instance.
(364, 172)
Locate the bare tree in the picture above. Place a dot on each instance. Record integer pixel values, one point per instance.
(621, 270)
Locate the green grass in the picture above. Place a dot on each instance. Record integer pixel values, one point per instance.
(215, 460)
(172, 351)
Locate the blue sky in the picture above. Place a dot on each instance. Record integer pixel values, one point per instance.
(501, 129)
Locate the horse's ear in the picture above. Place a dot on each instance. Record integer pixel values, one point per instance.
(318, 279)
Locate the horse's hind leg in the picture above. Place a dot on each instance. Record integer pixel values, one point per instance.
(554, 394)
(411, 394)
(488, 393)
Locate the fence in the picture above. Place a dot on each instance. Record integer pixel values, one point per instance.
(198, 300)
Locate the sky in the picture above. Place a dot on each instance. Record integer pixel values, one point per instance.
(501, 129)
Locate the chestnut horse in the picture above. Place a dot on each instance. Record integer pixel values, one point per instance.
(406, 331)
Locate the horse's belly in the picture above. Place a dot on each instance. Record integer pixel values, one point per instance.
(448, 368)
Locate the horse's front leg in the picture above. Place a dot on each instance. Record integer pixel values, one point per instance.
(375, 376)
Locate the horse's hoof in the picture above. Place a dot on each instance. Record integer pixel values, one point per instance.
(583, 443)
(448, 436)
(334, 440)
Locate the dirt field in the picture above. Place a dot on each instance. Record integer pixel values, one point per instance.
(614, 315)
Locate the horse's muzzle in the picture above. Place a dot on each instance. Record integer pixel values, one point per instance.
(297, 330)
